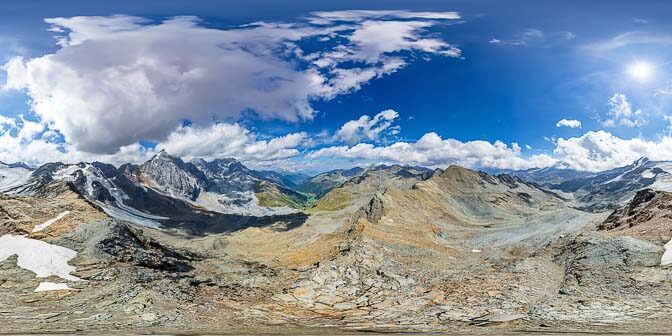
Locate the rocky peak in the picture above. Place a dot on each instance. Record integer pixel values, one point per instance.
(220, 168)
(228, 164)
(163, 156)
(171, 175)
(461, 175)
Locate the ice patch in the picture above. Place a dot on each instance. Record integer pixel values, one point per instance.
(48, 223)
(562, 194)
(12, 177)
(647, 174)
(617, 178)
(663, 181)
(51, 286)
(666, 260)
(39, 257)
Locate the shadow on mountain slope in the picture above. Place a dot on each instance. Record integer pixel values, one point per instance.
(205, 223)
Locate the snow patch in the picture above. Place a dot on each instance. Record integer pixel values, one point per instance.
(666, 260)
(562, 194)
(12, 177)
(51, 286)
(39, 257)
(647, 174)
(48, 223)
(664, 180)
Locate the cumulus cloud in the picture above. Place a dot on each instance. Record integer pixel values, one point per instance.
(433, 151)
(593, 151)
(35, 144)
(601, 150)
(118, 80)
(571, 123)
(368, 128)
(621, 113)
(229, 140)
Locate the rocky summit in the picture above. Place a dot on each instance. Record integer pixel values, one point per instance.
(213, 246)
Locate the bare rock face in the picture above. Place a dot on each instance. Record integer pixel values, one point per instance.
(171, 175)
(595, 251)
(597, 261)
(647, 216)
(127, 244)
(633, 213)
(373, 211)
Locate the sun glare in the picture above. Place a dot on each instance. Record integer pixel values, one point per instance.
(640, 70)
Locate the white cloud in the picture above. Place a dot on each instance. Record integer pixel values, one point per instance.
(323, 18)
(6, 123)
(230, 140)
(668, 119)
(118, 80)
(433, 151)
(601, 150)
(629, 39)
(33, 143)
(592, 151)
(665, 90)
(568, 35)
(532, 34)
(523, 38)
(367, 128)
(571, 123)
(621, 113)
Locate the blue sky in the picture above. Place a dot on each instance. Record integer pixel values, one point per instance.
(288, 85)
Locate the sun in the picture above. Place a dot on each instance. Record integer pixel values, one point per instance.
(640, 70)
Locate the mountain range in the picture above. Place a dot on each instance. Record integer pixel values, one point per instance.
(602, 190)
(385, 247)
(226, 186)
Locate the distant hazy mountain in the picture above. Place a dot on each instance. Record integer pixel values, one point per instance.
(603, 190)
(544, 176)
(288, 179)
(321, 184)
(165, 188)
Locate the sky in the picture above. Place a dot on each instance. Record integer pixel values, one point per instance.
(311, 86)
